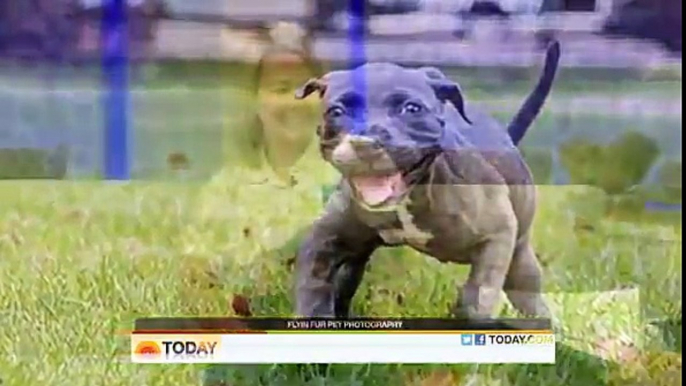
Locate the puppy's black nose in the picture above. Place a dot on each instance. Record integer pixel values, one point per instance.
(367, 148)
(355, 148)
(380, 133)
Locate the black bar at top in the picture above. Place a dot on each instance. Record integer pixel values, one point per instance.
(262, 324)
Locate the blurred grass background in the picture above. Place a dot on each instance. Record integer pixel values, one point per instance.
(182, 107)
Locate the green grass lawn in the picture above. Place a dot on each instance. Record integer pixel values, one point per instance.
(80, 261)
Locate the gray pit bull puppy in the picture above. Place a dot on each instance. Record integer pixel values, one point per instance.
(421, 168)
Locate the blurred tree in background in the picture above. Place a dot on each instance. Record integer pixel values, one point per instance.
(615, 167)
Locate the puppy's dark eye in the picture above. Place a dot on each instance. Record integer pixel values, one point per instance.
(335, 112)
(411, 108)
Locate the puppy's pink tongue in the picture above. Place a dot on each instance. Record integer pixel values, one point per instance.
(375, 190)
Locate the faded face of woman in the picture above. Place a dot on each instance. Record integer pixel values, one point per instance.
(287, 123)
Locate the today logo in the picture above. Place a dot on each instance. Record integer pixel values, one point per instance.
(176, 349)
(147, 348)
(521, 339)
(189, 347)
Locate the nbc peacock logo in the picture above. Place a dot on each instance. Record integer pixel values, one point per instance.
(147, 349)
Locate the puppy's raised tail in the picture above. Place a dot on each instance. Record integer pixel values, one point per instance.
(534, 102)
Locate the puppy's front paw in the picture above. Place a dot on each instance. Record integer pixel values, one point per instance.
(467, 313)
(471, 304)
(463, 311)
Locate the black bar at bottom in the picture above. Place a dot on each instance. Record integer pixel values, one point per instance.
(371, 324)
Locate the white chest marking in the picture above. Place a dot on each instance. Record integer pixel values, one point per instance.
(409, 233)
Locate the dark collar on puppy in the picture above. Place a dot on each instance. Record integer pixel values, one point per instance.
(419, 172)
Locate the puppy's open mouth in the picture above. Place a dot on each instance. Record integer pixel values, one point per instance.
(377, 191)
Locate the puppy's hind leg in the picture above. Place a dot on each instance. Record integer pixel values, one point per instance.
(523, 283)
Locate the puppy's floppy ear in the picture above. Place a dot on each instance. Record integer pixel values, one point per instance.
(450, 92)
(445, 89)
(312, 85)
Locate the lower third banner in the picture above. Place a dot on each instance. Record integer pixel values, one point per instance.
(345, 347)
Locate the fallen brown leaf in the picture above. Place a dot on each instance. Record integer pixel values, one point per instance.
(583, 225)
(178, 161)
(241, 306)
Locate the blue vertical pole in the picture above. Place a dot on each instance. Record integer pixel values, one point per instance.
(356, 38)
(115, 60)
